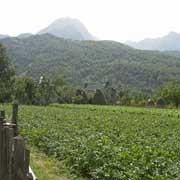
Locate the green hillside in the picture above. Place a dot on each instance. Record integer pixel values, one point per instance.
(92, 62)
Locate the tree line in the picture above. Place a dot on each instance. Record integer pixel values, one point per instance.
(43, 91)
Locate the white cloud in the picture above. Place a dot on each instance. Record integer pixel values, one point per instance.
(107, 19)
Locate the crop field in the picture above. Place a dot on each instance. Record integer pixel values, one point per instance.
(106, 142)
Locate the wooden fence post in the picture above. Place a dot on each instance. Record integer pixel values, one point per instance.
(2, 114)
(15, 118)
(1, 145)
(8, 134)
(26, 160)
(14, 155)
(19, 147)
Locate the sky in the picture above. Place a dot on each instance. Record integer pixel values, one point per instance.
(118, 20)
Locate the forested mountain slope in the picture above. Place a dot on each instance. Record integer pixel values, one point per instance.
(91, 61)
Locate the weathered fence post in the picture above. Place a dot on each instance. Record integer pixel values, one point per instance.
(19, 148)
(1, 144)
(7, 152)
(14, 155)
(15, 118)
(2, 114)
(26, 160)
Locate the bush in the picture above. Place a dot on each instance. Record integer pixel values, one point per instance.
(77, 99)
(160, 102)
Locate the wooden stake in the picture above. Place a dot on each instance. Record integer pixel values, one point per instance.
(15, 118)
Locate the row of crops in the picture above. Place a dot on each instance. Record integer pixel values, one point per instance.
(106, 142)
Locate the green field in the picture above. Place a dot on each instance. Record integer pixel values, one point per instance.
(105, 142)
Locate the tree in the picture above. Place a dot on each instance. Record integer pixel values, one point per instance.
(6, 76)
(59, 84)
(160, 102)
(24, 90)
(124, 96)
(170, 93)
(45, 90)
(80, 97)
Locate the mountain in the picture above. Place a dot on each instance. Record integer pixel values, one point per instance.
(92, 62)
(68, 28)
(3, 36)
(170, 42)
(24, 35)
(172, 53)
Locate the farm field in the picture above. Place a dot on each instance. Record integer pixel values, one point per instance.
(105, 142)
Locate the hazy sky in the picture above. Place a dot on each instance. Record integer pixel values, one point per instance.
(118, 20)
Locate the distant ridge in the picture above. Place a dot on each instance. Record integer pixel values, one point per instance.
(3, 36)
(170, 42)
(24, 35)
(68, 28)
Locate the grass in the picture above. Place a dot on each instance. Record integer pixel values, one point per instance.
(46, 168)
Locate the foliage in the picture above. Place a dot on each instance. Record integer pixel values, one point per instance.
(106, 142)
(125, 97)
(42, 92)
(28, 91)
(77, 99)
(81, 97)
(46, 168)
(170, 92)
(24, 90)
(45, 90)
(92, 62)
(160, 102)
(6, 76)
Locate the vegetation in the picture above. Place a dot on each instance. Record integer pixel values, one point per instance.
(26, 90)
(46, 168)
(83, 62)
(88, 141)
(106, 142)
(170, 93)
(6, 75)
(43, 91)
